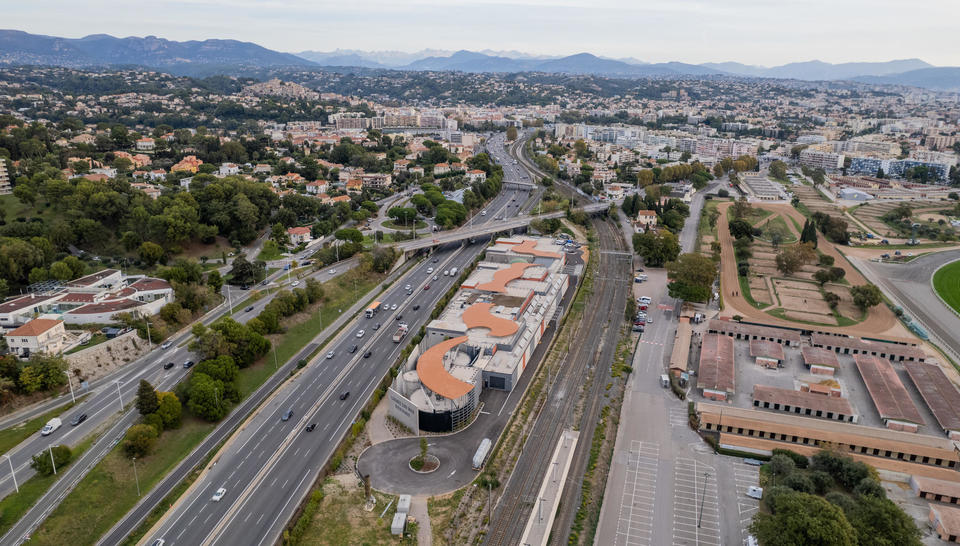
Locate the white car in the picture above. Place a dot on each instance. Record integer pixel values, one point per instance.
(360, 333)
(429, 270)
(755, 492)
(219, 494)
(332, 272)
(295, 283)
(407, 287)
(393, 307)
(166, 345)
(436, 277)
(330, 355)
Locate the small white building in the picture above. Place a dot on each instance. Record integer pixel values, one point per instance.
(299, 235)
(38, 336)
(228, 169)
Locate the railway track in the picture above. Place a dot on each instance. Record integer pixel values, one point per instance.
(619, 275)
(556, 412)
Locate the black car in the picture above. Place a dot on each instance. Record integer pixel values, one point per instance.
(287, 416)
(352, 349)
(399, 317)
(367, 354)
(376, 326)
(248, 309)
(416, 307)
(245, 287)
(310, 427)
(168, 365)
(344, 395)
(188, 364)
(78, 419)
(435, 260)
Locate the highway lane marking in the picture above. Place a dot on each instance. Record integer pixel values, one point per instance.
(348, 368)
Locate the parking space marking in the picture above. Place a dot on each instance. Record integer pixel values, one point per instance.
(635, 523)
(696, 507)
(744, 476)
(678, 417)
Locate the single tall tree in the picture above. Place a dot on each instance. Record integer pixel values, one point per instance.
(147, 401)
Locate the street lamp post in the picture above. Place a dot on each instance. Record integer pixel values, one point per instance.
(72, 397)
(149, 339)
(13, 474)
(135, 477)
(119, 396)
(703, 495)
(52, 462)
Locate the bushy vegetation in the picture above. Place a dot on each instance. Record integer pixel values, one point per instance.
(836, 501)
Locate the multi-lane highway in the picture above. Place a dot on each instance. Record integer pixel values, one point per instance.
(270, 464)
(106, 400)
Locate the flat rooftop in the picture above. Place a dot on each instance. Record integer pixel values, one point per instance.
(716, 363)
(813, 401)
(949, 518)
(941, 487)
(938, 392)
(887, 391)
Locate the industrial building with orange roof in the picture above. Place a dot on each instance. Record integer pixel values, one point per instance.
(486, 335)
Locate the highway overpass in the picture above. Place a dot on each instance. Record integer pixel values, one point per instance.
(496, 227)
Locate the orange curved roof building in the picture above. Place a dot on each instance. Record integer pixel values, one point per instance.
(503, 276)
(528, 246)
(435, 377)
(478, 316)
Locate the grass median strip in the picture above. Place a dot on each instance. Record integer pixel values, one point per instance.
(13, 436)
(15, 505)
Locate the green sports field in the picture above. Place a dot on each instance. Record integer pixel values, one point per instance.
(946, 281)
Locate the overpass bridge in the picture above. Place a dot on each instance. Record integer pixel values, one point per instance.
(506, 224)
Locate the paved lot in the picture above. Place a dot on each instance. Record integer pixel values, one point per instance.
(696, 506)
(744, 476)
(638, 505)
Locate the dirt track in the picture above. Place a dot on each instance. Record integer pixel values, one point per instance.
(880, 321)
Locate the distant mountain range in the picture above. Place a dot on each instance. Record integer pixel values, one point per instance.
(211, 56)
(18, 47)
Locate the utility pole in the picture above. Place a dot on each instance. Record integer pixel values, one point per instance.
(149, 339)
(275, 366)
(50, 449)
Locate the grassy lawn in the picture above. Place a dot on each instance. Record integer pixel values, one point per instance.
(393, 225)
(745, 290)
(15, 505)
(341, 518)
(109, 490)
(756, 214)
(269, 253)
(946, 281)
(368, 241)
(11, 437)
(97, 339)
(788, 238)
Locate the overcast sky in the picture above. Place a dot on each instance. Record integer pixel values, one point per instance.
(765, 32)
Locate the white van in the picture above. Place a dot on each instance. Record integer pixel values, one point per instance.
(51, 426)
(453, 272)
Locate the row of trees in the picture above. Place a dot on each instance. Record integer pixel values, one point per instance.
(160, 411)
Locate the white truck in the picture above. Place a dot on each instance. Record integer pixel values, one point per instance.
(51, 426)
(453, 272)
(401, 332)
